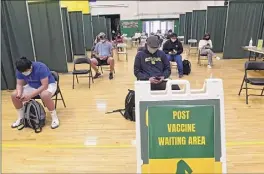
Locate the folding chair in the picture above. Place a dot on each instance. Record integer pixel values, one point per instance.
(252, 66)
(101, 67)
(192, 46)
(124, 50)
(203, 56)
(75, 72)
(58, 91)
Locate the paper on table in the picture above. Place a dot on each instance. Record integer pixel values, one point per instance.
(260, 44)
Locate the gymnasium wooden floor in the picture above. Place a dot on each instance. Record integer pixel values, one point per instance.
(70, 148)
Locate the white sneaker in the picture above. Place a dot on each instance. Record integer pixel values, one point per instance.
(218, 58)
(16, 123)
(55, 123)
(209, 66)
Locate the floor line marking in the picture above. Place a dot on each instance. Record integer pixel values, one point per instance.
(78, 146)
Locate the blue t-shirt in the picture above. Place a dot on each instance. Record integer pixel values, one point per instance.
(103, 48)
(39, 72)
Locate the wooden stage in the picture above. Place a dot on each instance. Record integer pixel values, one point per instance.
(88, 141)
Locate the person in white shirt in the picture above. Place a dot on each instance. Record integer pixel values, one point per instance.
(205, 47)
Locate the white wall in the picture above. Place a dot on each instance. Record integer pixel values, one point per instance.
(149, 9)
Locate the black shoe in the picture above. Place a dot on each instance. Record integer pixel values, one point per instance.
(180, 76)
(111, 76)
(97, 75)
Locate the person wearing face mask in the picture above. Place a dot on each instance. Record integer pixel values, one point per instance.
(152, 64)
(205, 47)
(173, 49)
(103, 54)
(39, 81)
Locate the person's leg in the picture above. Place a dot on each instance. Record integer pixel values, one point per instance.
(46, 97)
(169, 57)
(178, 60)
(94, 63)
(111, 62)
(19, 105)
(209, 54)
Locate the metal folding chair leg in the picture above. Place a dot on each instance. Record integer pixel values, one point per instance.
(241, 86)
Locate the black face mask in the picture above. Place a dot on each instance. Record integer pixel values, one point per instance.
(207, 38)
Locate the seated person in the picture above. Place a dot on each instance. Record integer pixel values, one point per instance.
(168, 35)
(205, 47)
(39, 81)
(173, 49)
(103, 55)
(119, 40)
(152, 64)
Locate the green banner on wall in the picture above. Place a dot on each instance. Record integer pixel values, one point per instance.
(181, 132)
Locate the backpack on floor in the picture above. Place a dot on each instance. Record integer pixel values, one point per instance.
(129, 111)
(34, 116)
(186, 67)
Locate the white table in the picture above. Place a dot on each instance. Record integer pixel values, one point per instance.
(254, 50)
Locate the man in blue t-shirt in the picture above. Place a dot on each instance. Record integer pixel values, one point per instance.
(103, 55)
(39, 81)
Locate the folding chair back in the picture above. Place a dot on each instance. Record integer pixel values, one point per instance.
(253, 65)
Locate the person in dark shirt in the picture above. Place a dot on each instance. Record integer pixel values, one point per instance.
(173, 50)
(152, 64)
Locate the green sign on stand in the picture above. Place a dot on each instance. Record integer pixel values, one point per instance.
(181, 132)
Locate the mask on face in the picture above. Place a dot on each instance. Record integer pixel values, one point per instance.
(26, 73)
(152, 50)
(173, 40)
(102, 40)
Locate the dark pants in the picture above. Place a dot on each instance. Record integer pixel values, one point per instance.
(162, 86)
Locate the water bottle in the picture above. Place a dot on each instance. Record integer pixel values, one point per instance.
(250, 43)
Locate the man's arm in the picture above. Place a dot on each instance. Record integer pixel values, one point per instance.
(165, 48)
(44, 78)
(180, 48)
(96, 51)
(167, 67)
(19, 84)
(138, 70)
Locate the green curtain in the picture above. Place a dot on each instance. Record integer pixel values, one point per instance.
(67, 33)
(188, 27)
(96, 26)
(108, 26)
(216, 24)
(182, 24)
(88, 31)
(243, 22)
(16, 40)
(102, 22)
(198, 24)
(77, 32)
(49, 42)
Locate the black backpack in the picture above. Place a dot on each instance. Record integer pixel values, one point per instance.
(186, 67)
(129, 111)
(34, 116)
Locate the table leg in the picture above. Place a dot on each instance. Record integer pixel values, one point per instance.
(249, 55)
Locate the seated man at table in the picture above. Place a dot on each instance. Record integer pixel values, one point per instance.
(152, 64)
(173, 50)
(205, 47)
(39, 81)
(103, 55)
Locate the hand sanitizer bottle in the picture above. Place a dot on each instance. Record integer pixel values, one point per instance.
(250, 42)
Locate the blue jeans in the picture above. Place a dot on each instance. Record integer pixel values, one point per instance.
(178, 60)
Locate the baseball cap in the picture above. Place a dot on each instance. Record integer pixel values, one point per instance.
(153, 42)
(101, 35)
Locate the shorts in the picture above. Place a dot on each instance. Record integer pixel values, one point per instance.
(52, 88)
(102, 62)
